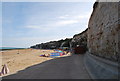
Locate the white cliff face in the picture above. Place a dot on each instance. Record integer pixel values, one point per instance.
(104, 31)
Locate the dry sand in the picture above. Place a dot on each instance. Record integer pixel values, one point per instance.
(20, 59)
(25, 58)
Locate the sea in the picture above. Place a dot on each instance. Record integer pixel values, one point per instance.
(9, 48)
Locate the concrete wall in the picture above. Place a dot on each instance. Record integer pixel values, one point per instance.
(100, 68)
(104, 31)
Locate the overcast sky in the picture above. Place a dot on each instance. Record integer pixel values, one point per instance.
(29, 23)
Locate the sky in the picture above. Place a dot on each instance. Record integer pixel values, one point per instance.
(28, 23)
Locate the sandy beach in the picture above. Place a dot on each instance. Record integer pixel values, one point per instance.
(17, 60)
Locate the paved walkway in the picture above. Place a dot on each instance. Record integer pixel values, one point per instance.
(71, 67)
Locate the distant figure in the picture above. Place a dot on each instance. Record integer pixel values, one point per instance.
(18, 52)
(67, 51)
(72, 50)
(45, 55)
(48, 55)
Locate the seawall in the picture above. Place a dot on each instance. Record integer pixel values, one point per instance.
(103, 41)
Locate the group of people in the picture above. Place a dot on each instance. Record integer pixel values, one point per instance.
(45, 55)
(57, 51)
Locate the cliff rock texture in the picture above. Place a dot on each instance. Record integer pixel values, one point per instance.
(104, 30)
(80, 39)
(53, 44)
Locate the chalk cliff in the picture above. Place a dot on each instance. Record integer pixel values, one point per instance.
(79, 39)
(104, 31)
(53, 44)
